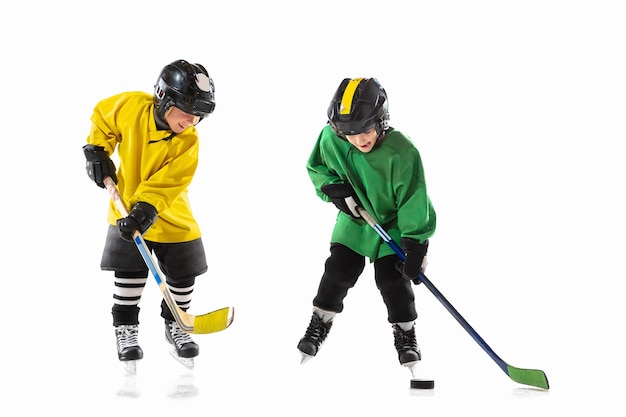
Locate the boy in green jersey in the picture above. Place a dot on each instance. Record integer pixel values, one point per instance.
(359, 160)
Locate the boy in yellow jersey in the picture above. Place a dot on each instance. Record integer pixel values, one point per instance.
(157, 145)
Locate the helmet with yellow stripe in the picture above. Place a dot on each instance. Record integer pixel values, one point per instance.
(359, 104)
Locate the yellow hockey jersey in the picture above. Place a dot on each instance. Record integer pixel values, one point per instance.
(155, 166)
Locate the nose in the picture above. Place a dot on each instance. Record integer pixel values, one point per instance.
(192, 119)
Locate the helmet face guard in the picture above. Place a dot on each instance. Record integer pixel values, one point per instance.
(185, 86)
(359, 105)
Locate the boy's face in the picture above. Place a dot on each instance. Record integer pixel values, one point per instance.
(364, 141)
(178, 120)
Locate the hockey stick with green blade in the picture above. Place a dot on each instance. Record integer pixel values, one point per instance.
(212, 322)
(532, 377)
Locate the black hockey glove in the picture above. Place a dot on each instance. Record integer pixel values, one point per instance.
(343, 197)
(415, 262)
(140, 218)
(99, 164)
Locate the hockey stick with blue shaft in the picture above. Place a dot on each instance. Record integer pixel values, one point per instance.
(532, 377)
(214, 321)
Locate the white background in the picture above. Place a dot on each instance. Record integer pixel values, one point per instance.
(517, 108)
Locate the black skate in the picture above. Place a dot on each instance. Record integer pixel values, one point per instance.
(184, 349)
(128, 349)
(408, 352)
(314, 336)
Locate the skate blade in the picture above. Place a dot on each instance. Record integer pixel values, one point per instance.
(305, 358)
(412, 366)
(186, 362)
(130, 367)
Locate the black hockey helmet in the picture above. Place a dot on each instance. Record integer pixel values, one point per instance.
(185, 86)
(358, 105)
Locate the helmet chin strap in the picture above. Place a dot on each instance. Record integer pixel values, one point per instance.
(382, 134)
(161, 124)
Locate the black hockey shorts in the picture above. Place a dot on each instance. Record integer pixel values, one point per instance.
(176, 260)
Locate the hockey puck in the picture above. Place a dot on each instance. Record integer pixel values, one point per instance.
(422, 383)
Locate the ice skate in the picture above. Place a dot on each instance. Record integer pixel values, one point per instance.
(128, 349)
(315, 334)
(408, 352)
(183, 348)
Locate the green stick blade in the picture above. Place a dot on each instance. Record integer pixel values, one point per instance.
(533, 377)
